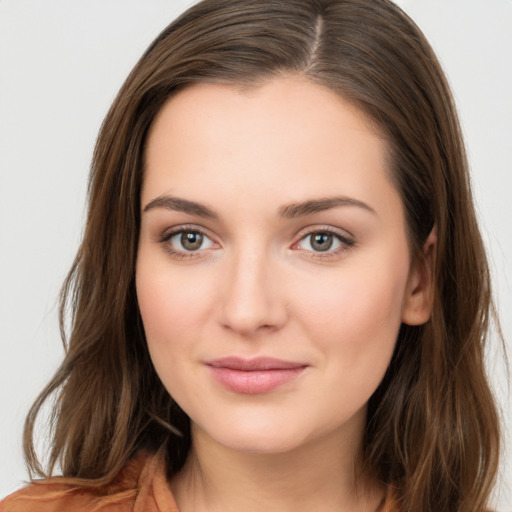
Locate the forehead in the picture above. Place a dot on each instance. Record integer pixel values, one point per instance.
(285, 140)
(289, 99)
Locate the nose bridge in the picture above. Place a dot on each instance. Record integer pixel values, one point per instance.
(252, 297)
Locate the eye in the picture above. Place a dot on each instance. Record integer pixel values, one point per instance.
(324, 241)
(187, 240)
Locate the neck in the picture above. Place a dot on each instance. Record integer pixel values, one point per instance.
(321, 476)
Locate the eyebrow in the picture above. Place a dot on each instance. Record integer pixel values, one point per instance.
(181, 205)
(293, 210)
(288, 211)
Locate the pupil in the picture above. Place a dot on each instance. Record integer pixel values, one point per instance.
(191, 240)
(322, 241)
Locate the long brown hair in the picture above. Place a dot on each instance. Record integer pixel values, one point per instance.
(432, 429)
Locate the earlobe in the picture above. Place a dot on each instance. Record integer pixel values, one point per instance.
(419, 295)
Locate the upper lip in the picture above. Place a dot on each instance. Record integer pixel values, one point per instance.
(254, 364)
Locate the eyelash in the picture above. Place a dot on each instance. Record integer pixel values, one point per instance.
(347, 243)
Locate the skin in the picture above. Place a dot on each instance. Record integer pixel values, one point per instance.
(258, 287)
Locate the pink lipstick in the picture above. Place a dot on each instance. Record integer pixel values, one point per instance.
(254, 376)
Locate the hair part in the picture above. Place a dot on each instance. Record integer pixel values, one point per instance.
(432, 428)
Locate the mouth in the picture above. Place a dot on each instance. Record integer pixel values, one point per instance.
(254, 376)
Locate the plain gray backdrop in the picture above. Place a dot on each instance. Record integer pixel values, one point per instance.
(61, 64)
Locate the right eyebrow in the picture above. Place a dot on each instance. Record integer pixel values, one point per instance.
(181, 205)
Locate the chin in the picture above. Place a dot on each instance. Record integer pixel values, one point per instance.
(263, 435)
(261, 443)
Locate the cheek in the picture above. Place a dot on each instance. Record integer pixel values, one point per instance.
(355, 327)
(355, 316)
(166, 306)
(173, 309)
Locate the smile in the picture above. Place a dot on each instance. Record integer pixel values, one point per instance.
(254, 376)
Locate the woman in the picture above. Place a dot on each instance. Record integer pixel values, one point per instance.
(281, 238)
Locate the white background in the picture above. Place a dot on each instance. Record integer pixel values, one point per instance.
(61, 63)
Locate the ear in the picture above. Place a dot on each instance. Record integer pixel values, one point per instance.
(419, 293)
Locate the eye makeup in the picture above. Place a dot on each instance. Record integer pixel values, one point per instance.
(191, 241)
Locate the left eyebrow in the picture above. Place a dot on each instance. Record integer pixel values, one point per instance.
(293, 210)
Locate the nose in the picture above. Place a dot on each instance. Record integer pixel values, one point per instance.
(252, 296)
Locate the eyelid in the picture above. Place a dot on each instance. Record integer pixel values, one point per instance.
(325, 228)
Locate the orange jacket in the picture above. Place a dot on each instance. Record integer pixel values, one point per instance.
(141, 486)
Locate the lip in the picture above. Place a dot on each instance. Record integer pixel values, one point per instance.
(254, 376)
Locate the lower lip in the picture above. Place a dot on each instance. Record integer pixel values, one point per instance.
(255, 381)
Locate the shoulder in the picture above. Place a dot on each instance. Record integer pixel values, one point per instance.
(58, 497)
(140, 485)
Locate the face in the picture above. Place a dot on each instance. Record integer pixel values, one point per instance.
(273, 268)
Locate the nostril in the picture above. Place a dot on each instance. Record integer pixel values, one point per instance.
(248, 317)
